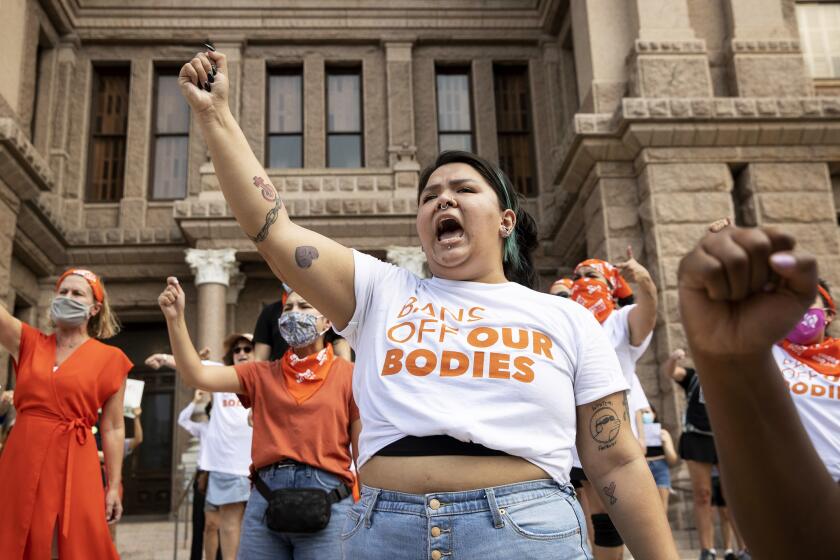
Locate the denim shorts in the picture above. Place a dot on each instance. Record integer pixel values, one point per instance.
(529, 520)
(661, 474)
(223, 489)
(258, 542)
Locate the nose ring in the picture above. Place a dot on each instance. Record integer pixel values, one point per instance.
(443, 205)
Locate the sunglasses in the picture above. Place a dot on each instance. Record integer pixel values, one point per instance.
(245, 349)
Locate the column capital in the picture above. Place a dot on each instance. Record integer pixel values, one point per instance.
(212, 266)
(410, 258)
(398, 51)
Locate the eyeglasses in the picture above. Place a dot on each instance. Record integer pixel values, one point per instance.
(245, 349)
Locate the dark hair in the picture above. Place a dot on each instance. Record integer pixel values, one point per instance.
(629, 300)
(824, 285)
(518, 262)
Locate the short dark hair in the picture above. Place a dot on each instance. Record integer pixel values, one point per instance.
(518, 261)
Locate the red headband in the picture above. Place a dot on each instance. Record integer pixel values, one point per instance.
(830, 300)
(564, 282)
(91, 278)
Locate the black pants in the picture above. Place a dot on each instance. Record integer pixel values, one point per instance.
(197, 550)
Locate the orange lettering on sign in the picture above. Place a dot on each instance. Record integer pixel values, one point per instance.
(430, 362)
(525, 373)
(499, 366)
(393, 361)
(482, 337)
(447, 369)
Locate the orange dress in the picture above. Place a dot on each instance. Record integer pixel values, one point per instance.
(49, 470)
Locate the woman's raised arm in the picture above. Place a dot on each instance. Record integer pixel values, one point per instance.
(10, 333)
(320, 269)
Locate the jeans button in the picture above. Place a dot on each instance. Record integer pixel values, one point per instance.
(435, 531)
(434, 503)
(436, 554)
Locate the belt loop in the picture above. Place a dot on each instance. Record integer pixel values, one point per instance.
(498, 522)
(374, 495)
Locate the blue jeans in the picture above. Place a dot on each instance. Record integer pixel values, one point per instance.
(537, 519)
(258, 542)
(660, 472)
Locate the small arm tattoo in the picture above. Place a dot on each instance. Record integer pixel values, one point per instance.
(266, 189)
(604, 425)
(305, 256)
(610, 492)
(626, 407)
(270, 218)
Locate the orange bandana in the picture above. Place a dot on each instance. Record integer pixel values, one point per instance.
(568, 282)
(91, 278)
(304, 376)
(618, 285)
(595, 296)
(823, 358)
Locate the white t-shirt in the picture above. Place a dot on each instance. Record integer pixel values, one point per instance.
(617, 326)
(196, 429)
(817, 399)
(495, 364)
(636, 401)
(226, 447)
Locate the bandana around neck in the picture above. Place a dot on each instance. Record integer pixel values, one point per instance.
(304, 376)
(823, 358)
(595, 296)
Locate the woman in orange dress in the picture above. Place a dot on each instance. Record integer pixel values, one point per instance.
(53, 501)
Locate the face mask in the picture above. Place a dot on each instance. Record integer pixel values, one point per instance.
(809, 328)
(299, 329)
(647, 417)
(69, 312)
(595, 296)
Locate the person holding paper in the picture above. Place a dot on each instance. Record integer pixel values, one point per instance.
(660, 453)
(53, 500)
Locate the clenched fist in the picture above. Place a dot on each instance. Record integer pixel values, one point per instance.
(204, 81)
(742, 290)
(172, 300)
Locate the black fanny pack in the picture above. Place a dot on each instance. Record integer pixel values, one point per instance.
(298, 510)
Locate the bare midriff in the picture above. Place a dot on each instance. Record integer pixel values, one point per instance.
(446, 473)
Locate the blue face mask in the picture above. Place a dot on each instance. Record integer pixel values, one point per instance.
(69, 312)
(647, 417)
(299, 329)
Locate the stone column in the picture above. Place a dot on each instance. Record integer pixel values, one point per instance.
(60, 115)
(410, 258)
(400, 92)
(766, 58)
(136, 188)
(212, 269)
(667, 60)
(602, 41)
(237, 283)
(677, 202)
(314, 107)
(486, 133)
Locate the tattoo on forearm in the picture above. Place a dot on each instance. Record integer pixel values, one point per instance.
(270, 218)
(266, 189)
(305, 256)
(610, 492)
(604, 425)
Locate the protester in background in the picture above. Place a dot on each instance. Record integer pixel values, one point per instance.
(225, 452)
(7, 413)
(660, 453)
(601, 287)
(205, 534)
(728, 529)
(742, 292)
(562, 287)
(270, 344)
(50, 481)
(696, 448)
(304, 421)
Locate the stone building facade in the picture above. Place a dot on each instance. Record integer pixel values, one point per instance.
(623, 122)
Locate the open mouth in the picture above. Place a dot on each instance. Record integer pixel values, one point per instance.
(449, 229)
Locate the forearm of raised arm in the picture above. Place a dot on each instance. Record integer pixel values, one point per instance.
(760, 442)
(188, 362)
(243, 180)
(643, 316)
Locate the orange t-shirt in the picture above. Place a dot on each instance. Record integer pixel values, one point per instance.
(315, 432)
